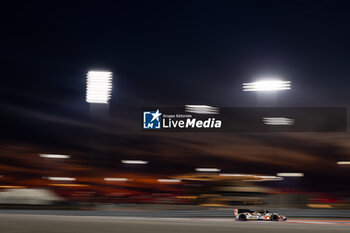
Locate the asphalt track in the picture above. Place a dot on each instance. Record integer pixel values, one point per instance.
(34, 222)
(181, 213)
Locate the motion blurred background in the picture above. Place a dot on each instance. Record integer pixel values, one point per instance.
(59, 151)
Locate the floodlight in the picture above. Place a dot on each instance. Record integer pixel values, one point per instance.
(208, 169)
(116, 179)
(267, 85)
(99, 87)
(54, 156)
(202, 109)
(134, 162)
(278, 121)
(343, 162)
(290, 174)
(169, 180)
(61, 178)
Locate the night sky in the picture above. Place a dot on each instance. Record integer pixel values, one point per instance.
(170, 53)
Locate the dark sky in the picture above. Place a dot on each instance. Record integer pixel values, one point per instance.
(171, 53)
(201, 49)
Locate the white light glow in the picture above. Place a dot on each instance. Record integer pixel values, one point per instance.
(99, 87)
(290, 174)
(117, 179)
(343, 163)
(278, 121)
(134, 162)
(169, 180)
(267, 85)
(54, 156)
(201, 109)
(269, 178)
(208, 170)
(225, 174)
(61, 178)
(256, 178)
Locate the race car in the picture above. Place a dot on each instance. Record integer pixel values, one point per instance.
(264, 215)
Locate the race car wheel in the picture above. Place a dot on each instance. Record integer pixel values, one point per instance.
(274, 218)
(242, 217)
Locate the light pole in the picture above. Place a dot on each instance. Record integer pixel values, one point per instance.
(98, 95)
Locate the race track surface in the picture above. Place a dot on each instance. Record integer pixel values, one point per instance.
(51, 223)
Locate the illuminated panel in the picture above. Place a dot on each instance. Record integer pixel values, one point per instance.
(278, 121)
(227, 174)
(290, 174)
(99, 87)
(54, 156)
(208, 169)
(169, 180)
(201, 109)
(134, 162)
(267, 85)
(343, 163)
(116, 179)
(61, 178)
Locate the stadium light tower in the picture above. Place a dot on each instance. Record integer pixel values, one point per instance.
(267, 85)
(266, 89)
(98, 87)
